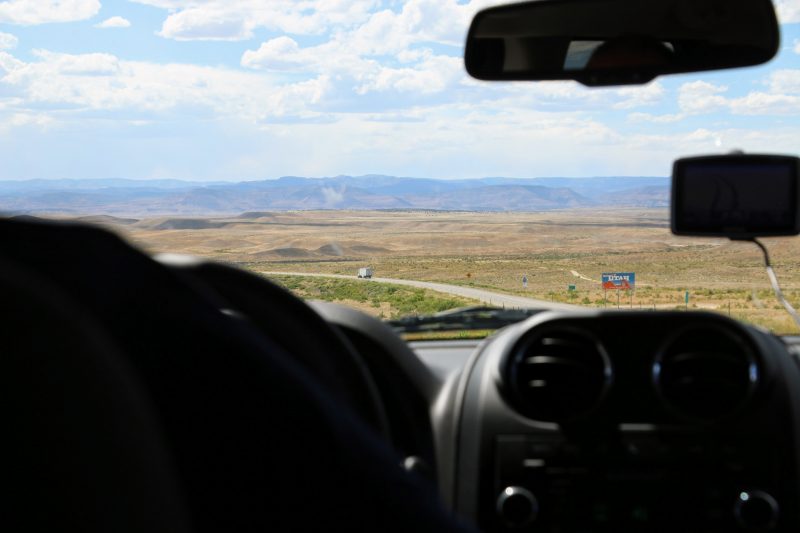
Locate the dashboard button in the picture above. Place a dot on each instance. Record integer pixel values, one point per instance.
(517, 507)
(756, 510)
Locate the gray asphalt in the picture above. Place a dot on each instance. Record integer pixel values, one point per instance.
(487, 297)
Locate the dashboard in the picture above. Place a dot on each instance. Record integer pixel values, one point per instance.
(597, 421)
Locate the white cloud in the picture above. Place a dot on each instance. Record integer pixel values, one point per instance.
(9, 63)
(421, 71)
(294, 99)
(650, 94)
(35, 123)
(782, 97)
(437, 20)
(206, 24)
(701, 97)
(563, 96)
(785, 81)
(114, 22)
(703, 140)
(656, 119)
(25, 119)
(703, 137)
(8, 41)
(80, 65)
(788, 11)
(419, 21)
(759, 103)
(103, 82)
(433, 75)
(451, 140)
(365, 48)
(32, 12)
(232, 20)
(282, 53)
(390, 52)
(701, 134)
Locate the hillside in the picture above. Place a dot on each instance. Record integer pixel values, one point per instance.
(118, 197)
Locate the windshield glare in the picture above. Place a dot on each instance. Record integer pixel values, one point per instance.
(341, 150)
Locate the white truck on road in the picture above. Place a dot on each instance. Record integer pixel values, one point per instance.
(365, 272)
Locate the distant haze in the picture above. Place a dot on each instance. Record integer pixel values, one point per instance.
(371, 192)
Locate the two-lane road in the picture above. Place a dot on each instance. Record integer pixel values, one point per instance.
(487, 297)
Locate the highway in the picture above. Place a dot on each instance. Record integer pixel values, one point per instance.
(487, 297)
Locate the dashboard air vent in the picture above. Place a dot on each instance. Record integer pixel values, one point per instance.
(705, 373)
(557, 375)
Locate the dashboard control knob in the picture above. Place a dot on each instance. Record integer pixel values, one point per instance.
(418, 465)
(756, 510)
(517, 507)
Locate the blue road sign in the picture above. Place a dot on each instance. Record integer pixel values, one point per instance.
(619, 281)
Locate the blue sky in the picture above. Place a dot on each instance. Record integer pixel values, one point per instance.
(249, 89)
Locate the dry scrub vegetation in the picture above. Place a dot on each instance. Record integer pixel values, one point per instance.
(494, 250)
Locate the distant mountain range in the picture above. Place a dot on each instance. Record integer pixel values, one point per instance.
(371, 192)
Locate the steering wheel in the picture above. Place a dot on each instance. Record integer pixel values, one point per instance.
(320, 349)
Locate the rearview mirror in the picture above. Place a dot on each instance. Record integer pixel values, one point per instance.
(613, 42)
(736, 196)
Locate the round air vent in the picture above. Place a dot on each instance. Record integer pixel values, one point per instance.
(705, 373)
(557, 374)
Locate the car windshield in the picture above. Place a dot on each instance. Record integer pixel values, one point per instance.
(340, 149)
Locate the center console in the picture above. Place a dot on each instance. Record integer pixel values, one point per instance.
(626, 422)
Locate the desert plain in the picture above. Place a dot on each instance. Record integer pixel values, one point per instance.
(561, 253)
